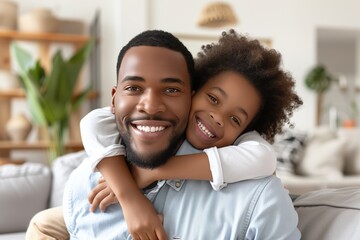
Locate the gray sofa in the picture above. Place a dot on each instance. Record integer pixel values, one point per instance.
(29, 188)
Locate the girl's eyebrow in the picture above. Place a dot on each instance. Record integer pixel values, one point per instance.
(224, 94)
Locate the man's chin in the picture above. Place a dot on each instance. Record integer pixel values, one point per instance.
(148, 159)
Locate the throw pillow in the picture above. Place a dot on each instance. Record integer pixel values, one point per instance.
(61, 170)
(324, 155)
(289, 148)
(352, 150)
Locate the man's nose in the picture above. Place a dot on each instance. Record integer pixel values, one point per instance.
(151, 102)
(217, 117)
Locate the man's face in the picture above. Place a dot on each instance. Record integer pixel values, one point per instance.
(151, 103)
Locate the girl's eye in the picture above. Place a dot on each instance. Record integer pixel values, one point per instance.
(213, 99)
(235, 120)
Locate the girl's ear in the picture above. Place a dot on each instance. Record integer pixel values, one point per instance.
(192, 93)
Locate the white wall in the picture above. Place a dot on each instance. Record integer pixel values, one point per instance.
(291, 25)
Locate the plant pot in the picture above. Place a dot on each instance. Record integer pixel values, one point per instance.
(8, 15)
(349, 123)
(39, 20)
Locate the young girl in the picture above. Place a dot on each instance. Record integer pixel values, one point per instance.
(241, 94)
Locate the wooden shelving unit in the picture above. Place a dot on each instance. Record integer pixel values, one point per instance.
(39, 145)
(43, 42)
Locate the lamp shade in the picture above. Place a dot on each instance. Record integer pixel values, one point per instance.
(217, 14)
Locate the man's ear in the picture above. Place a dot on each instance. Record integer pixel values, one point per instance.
(192, 93)
(113, 93)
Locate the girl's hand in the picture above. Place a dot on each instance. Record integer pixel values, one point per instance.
(101, 196)
(141, 218)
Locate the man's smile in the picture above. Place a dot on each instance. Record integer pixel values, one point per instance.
(150, 128)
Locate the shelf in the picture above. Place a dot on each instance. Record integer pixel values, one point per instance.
(12, 93)
(44, 43)
(44, 37)
(20, 93)
(41, 145)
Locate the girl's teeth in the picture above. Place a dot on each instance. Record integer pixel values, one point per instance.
(205, 130)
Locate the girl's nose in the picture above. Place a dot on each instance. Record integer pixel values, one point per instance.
(217, 118)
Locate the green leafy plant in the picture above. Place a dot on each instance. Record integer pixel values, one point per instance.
(51, 96)
(319, 79)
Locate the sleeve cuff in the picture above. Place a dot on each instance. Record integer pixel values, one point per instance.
(216, 169)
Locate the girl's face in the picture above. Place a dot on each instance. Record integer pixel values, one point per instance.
(221, 110)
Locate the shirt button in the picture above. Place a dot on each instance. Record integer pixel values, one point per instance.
(177, 184)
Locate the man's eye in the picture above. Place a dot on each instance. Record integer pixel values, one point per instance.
(172, 90)
(213, 99)
(235, 120)
(132, 88)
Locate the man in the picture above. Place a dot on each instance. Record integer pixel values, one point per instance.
(154, 90)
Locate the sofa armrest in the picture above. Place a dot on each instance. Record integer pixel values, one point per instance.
(329, 214)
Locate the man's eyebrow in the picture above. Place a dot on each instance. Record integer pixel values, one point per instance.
(173, 80)
(132, 78)
(164, 80)
(224, 94)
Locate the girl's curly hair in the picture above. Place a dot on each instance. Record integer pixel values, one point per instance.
(261, 66)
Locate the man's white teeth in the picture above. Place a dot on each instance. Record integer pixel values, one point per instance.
(205, 130)
(150, 128)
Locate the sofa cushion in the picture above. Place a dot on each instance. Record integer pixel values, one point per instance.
(61, 170)
(324, 155)
(334, 212)
(24, 191)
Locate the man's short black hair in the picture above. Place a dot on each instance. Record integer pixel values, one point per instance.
(158, 38)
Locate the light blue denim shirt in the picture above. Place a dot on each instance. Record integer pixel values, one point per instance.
(252, 209)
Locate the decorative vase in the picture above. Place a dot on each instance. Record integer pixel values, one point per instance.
(8, 15)
(18, 127)
(8, 80)
(39, 20)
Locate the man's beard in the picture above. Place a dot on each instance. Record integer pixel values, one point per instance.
(154, 160)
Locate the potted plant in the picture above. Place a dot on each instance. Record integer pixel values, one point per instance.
(51, 95)
(352, 114)
(319, 79)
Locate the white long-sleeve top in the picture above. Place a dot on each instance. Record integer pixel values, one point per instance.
(101, 139)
